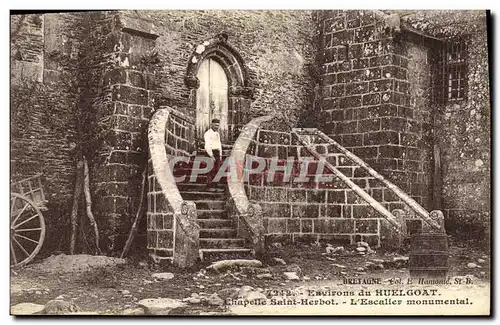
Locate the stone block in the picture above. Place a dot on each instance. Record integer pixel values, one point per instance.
(371, 99)
(136, 79)
(283, 239)
(152, 238)
(353, 140)
(22, 71)
(119, 157)
(52, 77)
(366, 152)
(392, 151)
(257, 179)
(26, 308)
(356, 88)
(113, 189)
(337, 115)
(135, 111)
(118, 140)
(316, 196)
(353, 198)
(115, 76)
(267, 151)
(381, 137)
(330, 53)
(354, 23)
(335, 239)
(162, 306)
(296, 195)
(306, 238)
(337, 90)
(336, 196)
(258, 192)
(350, 101)
(365, 34)
(390, 196)
(372, 240)
(366, 225)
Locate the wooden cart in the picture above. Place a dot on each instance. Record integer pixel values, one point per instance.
(27, 225)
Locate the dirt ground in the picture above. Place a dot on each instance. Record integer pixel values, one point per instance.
(110, 287)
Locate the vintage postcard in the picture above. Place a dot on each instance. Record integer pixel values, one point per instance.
(250, 162)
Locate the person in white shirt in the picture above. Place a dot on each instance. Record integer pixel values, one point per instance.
(213, 147)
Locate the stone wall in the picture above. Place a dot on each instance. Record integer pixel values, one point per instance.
(89, 82)
(276, 47)
(160, 219)
(44, 111)
(179, 135)
(377, 101)
(122, 71)
(367, 101)
(141, 57)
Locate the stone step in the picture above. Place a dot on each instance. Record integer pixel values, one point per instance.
(225, 152)
(210, 205)
(218, 233)
(221, 242)
(200, 179)
(203, 195)
(212, 214)
(214, 223)
(217, 254)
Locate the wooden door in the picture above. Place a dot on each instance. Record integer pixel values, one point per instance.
(211, 98)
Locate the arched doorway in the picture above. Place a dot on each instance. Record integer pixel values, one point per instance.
(212, 98)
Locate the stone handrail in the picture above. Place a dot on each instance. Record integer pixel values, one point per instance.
(412, 204)
(248, 216)
(184, 211)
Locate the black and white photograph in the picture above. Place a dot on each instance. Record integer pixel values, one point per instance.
(250, 162)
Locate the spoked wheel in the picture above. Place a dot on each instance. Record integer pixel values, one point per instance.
(27, 230)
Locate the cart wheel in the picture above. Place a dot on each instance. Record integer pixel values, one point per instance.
(27, 229)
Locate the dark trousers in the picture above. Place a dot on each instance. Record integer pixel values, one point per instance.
(215, 169)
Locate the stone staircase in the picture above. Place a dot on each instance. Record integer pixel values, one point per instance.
(218, 238)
